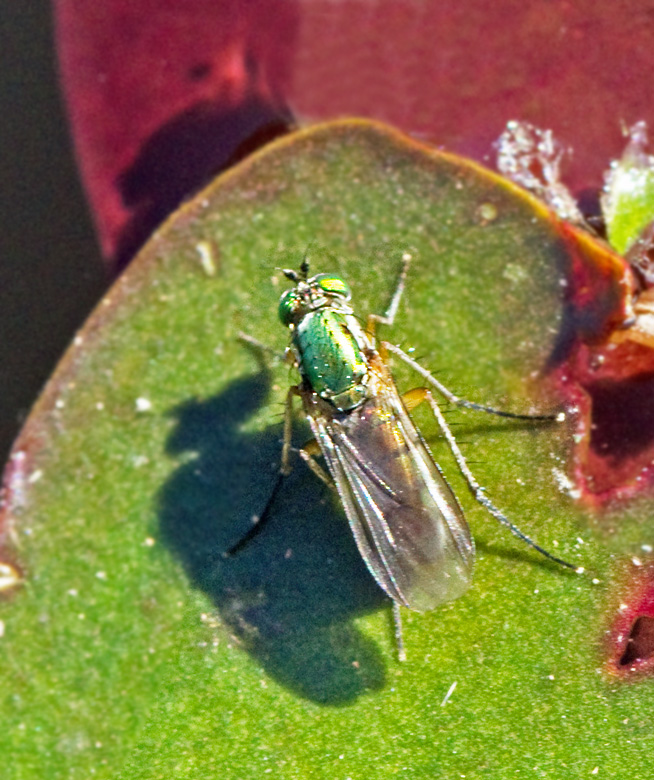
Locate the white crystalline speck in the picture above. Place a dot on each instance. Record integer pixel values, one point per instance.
(532, 158)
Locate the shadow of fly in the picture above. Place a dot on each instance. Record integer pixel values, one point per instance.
(406, 520)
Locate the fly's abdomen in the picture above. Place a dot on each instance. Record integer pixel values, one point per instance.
(331, 360)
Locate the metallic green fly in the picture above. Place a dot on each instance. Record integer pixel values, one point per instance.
(407, 522)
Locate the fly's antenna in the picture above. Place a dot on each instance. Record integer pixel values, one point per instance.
(303, 275)
(304, 265)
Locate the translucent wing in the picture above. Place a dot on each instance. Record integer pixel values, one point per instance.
(407, 522)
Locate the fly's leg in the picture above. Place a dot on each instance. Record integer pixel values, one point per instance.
(285, 468)
(389, 317)
(259, 347)
(399, 638)
(306, 453)
(258, 521)
(420, 394)
(455, 399)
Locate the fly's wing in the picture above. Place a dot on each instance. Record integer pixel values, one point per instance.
(407, 522)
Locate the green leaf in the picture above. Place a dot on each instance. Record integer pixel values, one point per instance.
(629, 200)
(135, 649)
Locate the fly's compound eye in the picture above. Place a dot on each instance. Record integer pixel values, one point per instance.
(332, 285)
(290, 305)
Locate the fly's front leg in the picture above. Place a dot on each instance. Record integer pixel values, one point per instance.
(258, 521)
(259, 346)
(389, 317)
(412, 399)
(455, 399)
(285, 468)
(307, 454)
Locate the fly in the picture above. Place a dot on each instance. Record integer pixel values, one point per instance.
(406, 520)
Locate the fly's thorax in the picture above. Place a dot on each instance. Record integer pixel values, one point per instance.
(331, 351)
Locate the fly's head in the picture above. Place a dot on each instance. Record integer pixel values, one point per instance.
(319, 292)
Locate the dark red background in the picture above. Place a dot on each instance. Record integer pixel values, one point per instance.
(188, 82)
(163, 94)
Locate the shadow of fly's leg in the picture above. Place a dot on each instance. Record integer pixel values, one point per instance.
(306, 453)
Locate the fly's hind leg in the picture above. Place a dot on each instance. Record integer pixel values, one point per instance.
(399, 637)
(417, 396)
